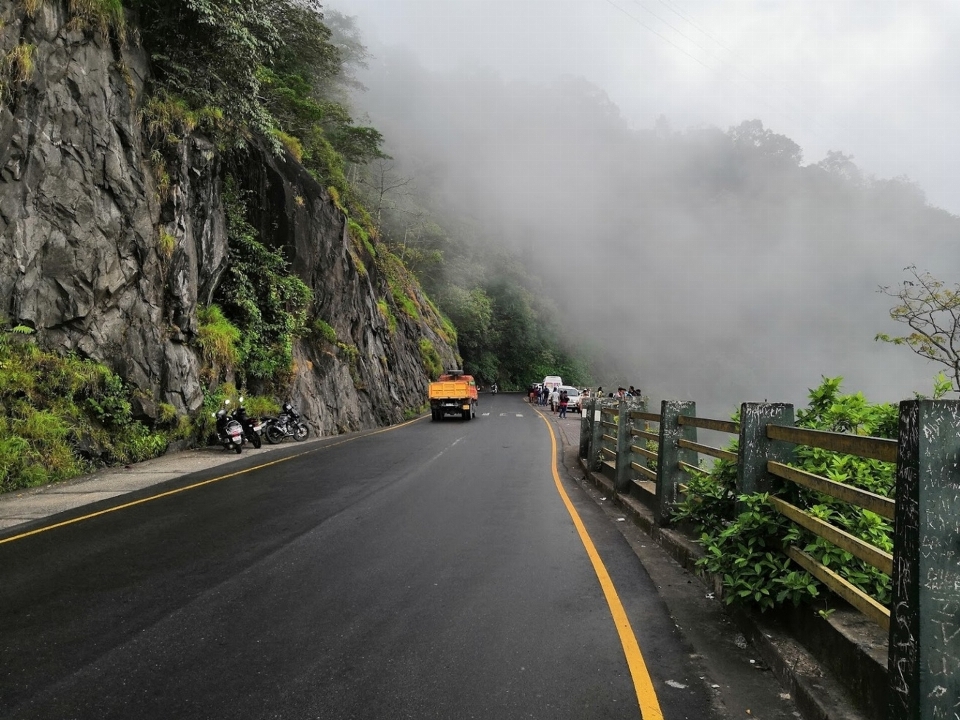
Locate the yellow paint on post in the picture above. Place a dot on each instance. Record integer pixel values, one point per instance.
(642, 683)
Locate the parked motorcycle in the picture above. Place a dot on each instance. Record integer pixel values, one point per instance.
(252, 427)
(287, 424)
(229, 431)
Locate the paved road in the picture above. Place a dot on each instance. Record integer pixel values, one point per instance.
(433, 570)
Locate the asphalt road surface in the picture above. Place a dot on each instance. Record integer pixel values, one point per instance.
(431, 570)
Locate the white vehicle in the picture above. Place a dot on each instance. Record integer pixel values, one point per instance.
(573, 398)
(552, 382)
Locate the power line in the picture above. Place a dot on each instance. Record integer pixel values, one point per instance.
(795, 106)
(659, 35)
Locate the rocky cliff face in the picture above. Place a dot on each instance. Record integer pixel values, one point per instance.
(81, 220)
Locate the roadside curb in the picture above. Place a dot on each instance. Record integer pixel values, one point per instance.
(22, 508)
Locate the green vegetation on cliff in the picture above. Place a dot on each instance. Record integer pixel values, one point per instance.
(280, 70)
(61, 416)
(265, 301)
(262, 69)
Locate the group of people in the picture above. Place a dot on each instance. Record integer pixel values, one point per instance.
(621, 393)
(539, 394)
(557, 399)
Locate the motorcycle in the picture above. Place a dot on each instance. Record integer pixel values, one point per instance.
(287, 424)
(229, 431)
(252, 427)
(493, 389)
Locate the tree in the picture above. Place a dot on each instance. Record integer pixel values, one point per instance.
(379, 181)
(842, 166)
(752, 134)
(932, 311)
(210, 51)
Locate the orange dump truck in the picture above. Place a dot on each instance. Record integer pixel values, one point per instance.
(453, 393)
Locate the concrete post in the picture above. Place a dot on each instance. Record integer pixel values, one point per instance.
(924, 661)
(621, 480)
(756, 449)
(596, 436)
(586, 428)
(669, 474)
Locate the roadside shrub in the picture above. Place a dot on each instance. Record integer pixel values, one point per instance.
(745, 549)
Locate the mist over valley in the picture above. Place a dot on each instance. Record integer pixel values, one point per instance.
(718, 264)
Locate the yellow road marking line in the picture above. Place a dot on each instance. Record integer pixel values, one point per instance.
(194, 486)
(642, 683)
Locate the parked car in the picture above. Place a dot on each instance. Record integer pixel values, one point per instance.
(573, 395)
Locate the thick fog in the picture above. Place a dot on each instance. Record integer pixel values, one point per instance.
(594, 138)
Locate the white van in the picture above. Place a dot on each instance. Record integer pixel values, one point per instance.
(552, 382)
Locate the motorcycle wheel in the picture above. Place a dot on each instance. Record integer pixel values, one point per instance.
(255, 440)
(273, 434)
(238, 448)
(300, 432)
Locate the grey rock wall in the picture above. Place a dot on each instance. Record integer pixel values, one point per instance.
(80, 221)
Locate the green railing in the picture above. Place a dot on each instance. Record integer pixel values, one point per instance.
(650, 455)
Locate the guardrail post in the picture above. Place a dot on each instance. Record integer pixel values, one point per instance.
(586, 428)
(621, 480)
(596, 436)
(756, 449)
(669, 474)
(924, 661)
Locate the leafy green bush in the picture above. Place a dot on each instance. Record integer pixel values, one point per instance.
(744, 549)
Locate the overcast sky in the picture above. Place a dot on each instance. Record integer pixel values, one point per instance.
(876, 79)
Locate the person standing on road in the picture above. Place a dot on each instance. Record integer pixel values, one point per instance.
(564, 399)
